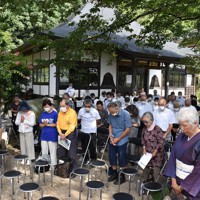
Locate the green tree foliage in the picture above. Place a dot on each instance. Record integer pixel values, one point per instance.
(161, 21)
(20, 20)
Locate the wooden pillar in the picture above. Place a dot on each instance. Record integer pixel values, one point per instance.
(134, 71)
(57, 79)
(166, 80)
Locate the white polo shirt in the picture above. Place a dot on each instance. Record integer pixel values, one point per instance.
(164, 118)
(70, 91)
(144, 107)
(88, 120)
(181, 100)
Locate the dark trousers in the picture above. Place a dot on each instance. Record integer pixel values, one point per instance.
(92, 147)
(102, 135)
(72, 153)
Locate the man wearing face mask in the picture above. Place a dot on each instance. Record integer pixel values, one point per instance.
(89, 117)
(143, 106)
(109, 98)
(66, 126)
(119, 128)
(164, 118)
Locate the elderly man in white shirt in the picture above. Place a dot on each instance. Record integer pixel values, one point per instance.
(164, 118)
(70, 90)
(143, 106)
(188, 104)
(89, 117)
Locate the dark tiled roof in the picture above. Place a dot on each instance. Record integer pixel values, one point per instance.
(170, 49)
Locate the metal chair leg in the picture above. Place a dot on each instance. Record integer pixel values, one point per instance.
(107, 169)
(129, 184)
(44, 174)
(100, 194)
(80, 191)
(148, 194)
(51, 176)
(69, 194)
(12, 188)
(31, 195)
(119, 181)
(87, 194)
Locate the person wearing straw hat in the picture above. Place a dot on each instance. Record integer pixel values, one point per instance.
(26, 120)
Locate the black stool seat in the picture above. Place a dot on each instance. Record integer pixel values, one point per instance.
(153, 186)
(28, 187)
(129, 171)
(3, 152)
(41, 163)
(21, 157)
(97, 163)
(81, 171)
(122, 196)
(95, 184)
(132, 158)
(48, 198)
(12, 174)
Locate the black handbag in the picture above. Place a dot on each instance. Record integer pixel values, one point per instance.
(62, 170)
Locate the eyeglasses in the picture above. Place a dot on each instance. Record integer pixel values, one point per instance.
(146, 122)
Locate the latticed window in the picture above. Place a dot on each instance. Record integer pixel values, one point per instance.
(83, 75)
(41, 75)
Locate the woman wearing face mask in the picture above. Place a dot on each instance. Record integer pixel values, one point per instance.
(152, 142)
(26, 120)
(49, 134)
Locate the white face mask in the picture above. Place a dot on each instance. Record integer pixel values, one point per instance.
(63, 109)
(87, 109)
(161, 108)
(47, 109)
(155, 107)
(114, 114)
(176, 109)
(109, 99)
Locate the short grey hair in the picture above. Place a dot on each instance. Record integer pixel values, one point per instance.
(67, 102)
(87, 101)
(149, 115)
(176, 103)
(189, 115)
(112, 105)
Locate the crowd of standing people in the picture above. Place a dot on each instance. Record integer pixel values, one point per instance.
(149, 120)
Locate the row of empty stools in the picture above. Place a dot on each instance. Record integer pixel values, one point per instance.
(30, 187)
(26, 188)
